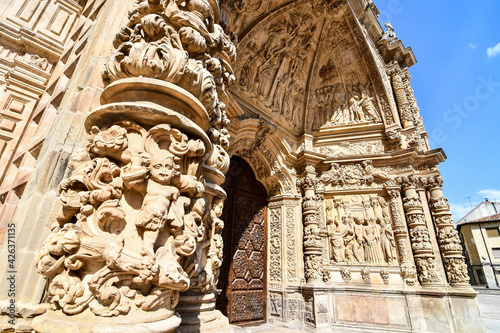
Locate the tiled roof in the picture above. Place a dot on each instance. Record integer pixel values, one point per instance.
(491, 218)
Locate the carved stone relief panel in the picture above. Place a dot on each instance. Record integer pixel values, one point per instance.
(276, 304)
(310, 317)
(275, 227)
(291, 253)
(360, 231)
(274, 63)
(124, 241)
(342, 90)
(344, 149)
(294, 314)
(357, 176)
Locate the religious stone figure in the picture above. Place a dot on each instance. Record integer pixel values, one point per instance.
(387, 241)
(338, 232)
(373, 250)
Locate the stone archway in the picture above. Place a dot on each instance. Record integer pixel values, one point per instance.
(243, 273)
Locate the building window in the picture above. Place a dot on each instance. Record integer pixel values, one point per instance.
(496, 252)
(492, 232)
(480, 276)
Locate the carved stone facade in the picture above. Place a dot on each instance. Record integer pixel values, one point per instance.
(148, 101)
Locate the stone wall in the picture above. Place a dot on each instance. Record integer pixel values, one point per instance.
(120, 207)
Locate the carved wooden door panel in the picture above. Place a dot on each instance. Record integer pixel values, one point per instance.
(242, 277)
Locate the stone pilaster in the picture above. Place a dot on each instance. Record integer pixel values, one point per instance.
(449, 241)
(419, 234)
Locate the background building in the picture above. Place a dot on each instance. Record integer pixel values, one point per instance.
(480, 233)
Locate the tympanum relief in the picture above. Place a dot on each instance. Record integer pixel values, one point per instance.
(273, 67)
(342, 92)
(284, 68)
(360, 231)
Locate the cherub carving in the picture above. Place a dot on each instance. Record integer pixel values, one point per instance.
(159, 193)
(217, 208)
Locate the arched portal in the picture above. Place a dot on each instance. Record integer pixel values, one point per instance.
(243, 273)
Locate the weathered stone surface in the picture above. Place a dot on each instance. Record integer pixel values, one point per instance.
(124, 211)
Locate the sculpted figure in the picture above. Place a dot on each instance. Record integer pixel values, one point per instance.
(195, 15)
(338, 231)
(389, 34)
(387, 241)
(217, 208)
(373, 251)
(355, 111)
(158, 197)
(355, 251)
(214, 260)
(371, 171)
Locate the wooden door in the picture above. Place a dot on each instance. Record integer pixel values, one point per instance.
(242, 275)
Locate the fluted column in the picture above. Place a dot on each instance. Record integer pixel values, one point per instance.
(403, 245)
(449, 241)
(419, 234)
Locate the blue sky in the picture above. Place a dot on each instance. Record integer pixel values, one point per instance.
(457, 85)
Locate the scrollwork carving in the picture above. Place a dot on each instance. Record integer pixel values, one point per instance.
(91, 259)
(345, 273)
(366, 275)
(290, 244)
(275, 244)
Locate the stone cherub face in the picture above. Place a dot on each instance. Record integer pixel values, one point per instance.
(218, 206)
(162, 171)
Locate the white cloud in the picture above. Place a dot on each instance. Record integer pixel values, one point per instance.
(491, 194)
(493, 51)
(460, 210)
(472, 46)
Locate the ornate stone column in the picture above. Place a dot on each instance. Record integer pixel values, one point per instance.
(322, 220)
(408, 270)
(449, 241)
(419, 234)
(137, 244)
(394, 71)
(313, 235)
(410, 95)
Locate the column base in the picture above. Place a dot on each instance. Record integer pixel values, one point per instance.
(213, 322)
(199, 315)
